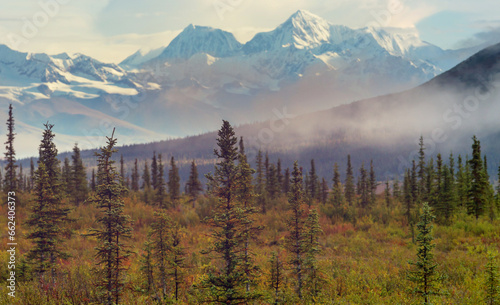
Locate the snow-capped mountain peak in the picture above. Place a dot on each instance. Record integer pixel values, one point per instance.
(303, 30)
(201, 39)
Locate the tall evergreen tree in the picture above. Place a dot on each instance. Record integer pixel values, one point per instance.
(122, 171)
(313, 280)
(424, 273)
(286, 181)
(32, 174)
(193, 186)
(349, 183)
(363, 187)
(338, 197)
(146, 183)
(111, 253)
(313, 181)
(49, 213)
(478, 189)
(135, 177)
(226, 282)
(78, 178)
(161, 191)
(279, 175)
(295, 239)
(146, 177)
(462, 186)
(147, 265)
(44, 227)
(176, 257)
(154, 171)
(422, 191)
(92, 181)
(260, 179)
(373, 184)
(174, 186)
(273, 187)
(245, 196)
(160, 238)
(10, 178)
(387, 194)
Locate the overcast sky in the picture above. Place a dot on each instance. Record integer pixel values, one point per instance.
(110, 30)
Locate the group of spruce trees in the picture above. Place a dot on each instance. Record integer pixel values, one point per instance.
(241, 193)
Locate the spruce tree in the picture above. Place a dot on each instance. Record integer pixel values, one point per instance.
(78, 178)
(313, 280)
(176, 257)
(313, 181)
(286, 181)
(174, 186)
(160, 238)
(279, 175)
(147, 266)
(423, 272)
(49, 213)
(146, 183)
(154, 171)
(478, 190)
(338, 198)
(135, 177)
(193, 186)
(363, 187)
(44, 227)
(146, 177)
(227, 280)
(32, 174)
(111, 253)
(349, 183)
(373, 184)
(92, 181)
(122, 172)
(260, 179)
(387, 194)
(422, 191)
(246, 196)
(161, 191)
(273, 187)
(295, 238)
(10, 178)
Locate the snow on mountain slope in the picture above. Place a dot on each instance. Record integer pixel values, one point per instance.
(201, 39)
(30, 76)
(140, 57)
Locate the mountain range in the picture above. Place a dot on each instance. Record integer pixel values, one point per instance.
(205, 74)
(446, 111)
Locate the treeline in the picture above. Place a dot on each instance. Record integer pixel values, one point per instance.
(238, 197)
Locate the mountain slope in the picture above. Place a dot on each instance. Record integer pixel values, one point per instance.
(386, 128)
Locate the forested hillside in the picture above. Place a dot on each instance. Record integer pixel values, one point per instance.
(269, 232)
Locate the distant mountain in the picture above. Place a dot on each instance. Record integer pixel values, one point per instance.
(304, 65)
(446, 111)
(138, 58)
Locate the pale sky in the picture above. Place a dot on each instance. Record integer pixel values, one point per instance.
(110, 30)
